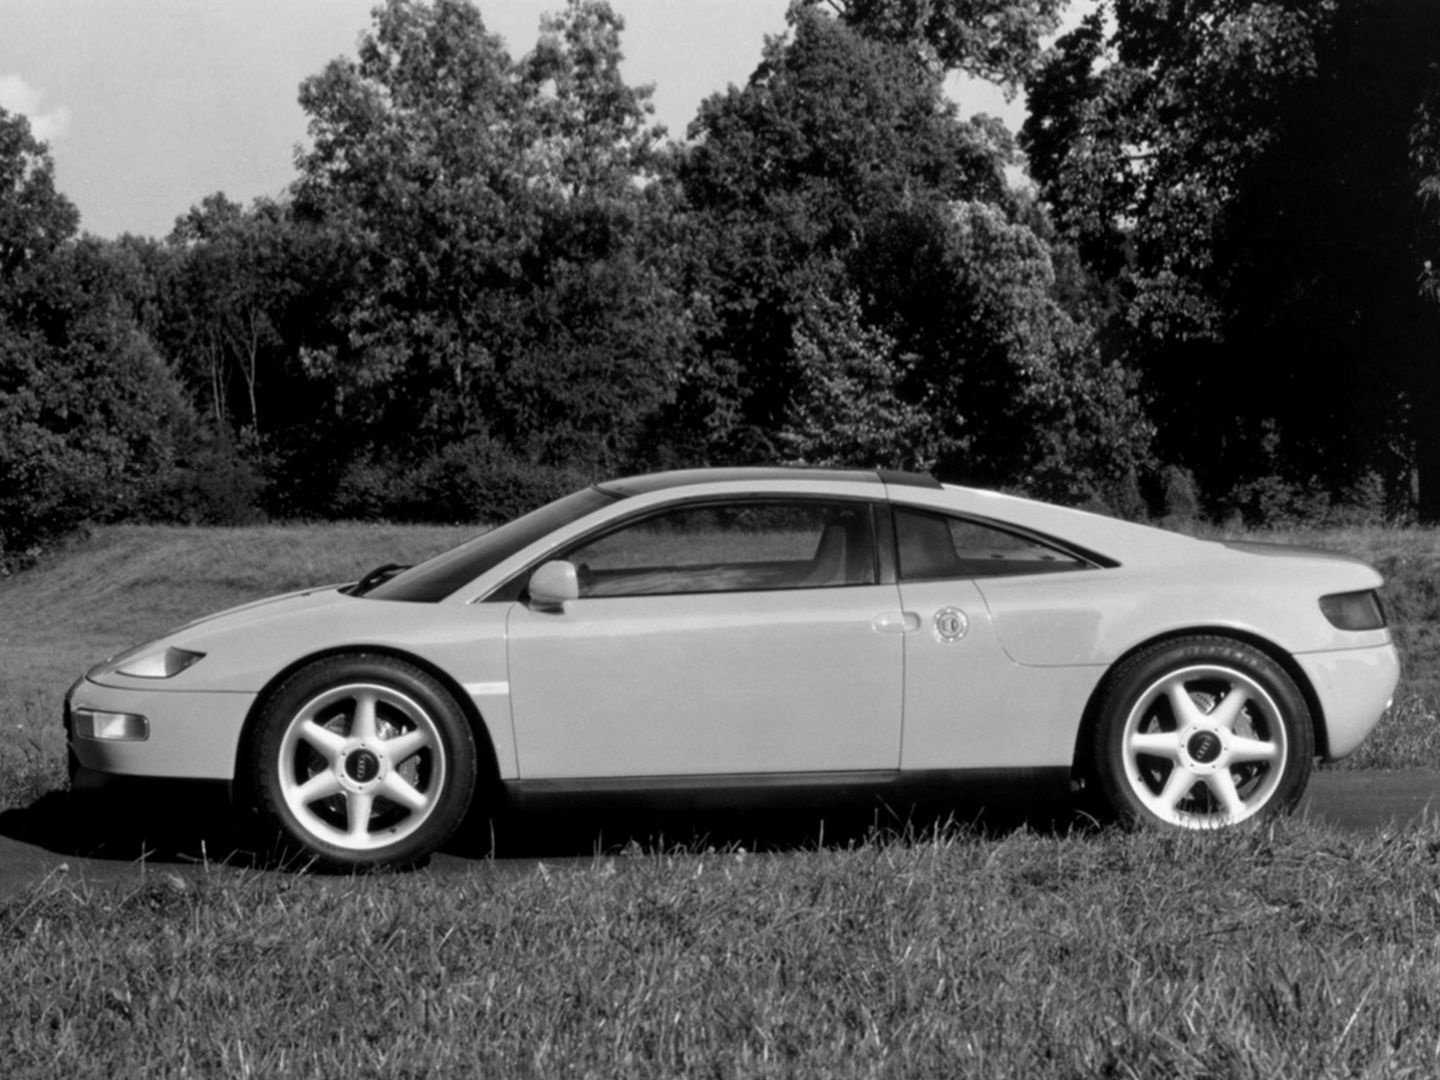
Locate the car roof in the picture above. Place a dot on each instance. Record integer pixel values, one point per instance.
(661, 481)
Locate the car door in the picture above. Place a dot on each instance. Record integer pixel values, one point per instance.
(735, 637)
(968, 705)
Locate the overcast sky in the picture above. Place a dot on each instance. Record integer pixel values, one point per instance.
(150, 105)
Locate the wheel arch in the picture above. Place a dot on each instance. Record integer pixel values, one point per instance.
(487, 763)
(1081, 766)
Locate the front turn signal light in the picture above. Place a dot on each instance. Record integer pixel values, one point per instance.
(111, 726)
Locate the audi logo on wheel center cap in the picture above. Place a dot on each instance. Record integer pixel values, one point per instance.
(362, 766)
(1204, 747)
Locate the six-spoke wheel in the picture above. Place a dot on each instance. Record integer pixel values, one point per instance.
(363, 761)
(1202, 732)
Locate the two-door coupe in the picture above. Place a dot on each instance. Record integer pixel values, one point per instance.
(742, 636)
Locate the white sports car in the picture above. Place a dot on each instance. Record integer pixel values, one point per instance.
(746, 636)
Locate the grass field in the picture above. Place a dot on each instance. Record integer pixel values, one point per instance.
(1283, 951)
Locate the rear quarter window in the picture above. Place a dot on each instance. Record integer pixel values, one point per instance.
(935, 546)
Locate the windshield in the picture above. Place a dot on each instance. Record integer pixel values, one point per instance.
(435, 579)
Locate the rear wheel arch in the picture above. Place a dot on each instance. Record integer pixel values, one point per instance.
(1082, 767)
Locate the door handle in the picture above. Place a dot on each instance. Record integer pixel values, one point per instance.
(896, 622)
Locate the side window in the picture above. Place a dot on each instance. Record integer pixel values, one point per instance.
(934, 546)
(732, 547)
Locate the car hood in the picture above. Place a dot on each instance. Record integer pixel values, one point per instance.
(269, 608)
(249, 637)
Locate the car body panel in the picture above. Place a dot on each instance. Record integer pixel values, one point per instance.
(968, 704)
(193, 734)
(1355, 687)
(1096, 616)
(742, 682)
(466, 642)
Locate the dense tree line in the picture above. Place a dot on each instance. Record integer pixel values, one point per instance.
(495, 277)
(1252, 189)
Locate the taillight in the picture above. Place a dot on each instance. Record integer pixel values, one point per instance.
(1354, 610)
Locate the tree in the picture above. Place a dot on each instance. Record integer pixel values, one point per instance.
(494, 217)
(414, 169)
(231, 284)
(998, 40)
(1240, 177)
(853, 233)
(847, 406)
(785, 177)
(35, 219)
(91, 419)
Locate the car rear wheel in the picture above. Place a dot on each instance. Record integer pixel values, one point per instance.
(1202, 733)
(363, 761)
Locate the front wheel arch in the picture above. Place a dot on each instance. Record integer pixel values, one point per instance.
(1082, 772)
(487, 763)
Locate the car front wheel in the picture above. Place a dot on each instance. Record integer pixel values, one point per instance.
(1202, 733)
(363, 761)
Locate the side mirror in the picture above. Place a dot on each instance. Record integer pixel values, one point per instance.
(553, 585)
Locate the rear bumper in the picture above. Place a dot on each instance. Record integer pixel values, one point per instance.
(191, 735)
(1355, 687)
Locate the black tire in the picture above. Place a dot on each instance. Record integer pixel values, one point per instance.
(1202, 733)
(361, 762)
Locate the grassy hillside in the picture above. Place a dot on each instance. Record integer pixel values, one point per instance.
(124, 584)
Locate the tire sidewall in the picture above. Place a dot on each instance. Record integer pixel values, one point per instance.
(1136, 676)
(279, 712)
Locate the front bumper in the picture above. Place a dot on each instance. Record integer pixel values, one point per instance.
(192, 734)
(1355, 687)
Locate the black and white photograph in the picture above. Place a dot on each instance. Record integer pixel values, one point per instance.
(726, 538)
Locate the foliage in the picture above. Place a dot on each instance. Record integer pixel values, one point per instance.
(1240, 178)
(1012, 383)
(231, 281)
(997, 40)
(90, 418)
(474, 480)
(35, 218)
(846, 406)
(493, 218)
(851, 231)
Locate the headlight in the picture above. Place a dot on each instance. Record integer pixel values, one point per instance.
(1354, 610)
(154, 663)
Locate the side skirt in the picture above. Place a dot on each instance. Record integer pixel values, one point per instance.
(929, 788)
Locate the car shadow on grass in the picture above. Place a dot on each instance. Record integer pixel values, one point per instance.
(189, 829)
(181, 827)
(610, 832)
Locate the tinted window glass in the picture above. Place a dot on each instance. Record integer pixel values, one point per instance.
(437, 578)
(732, 547)
(936, 546)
